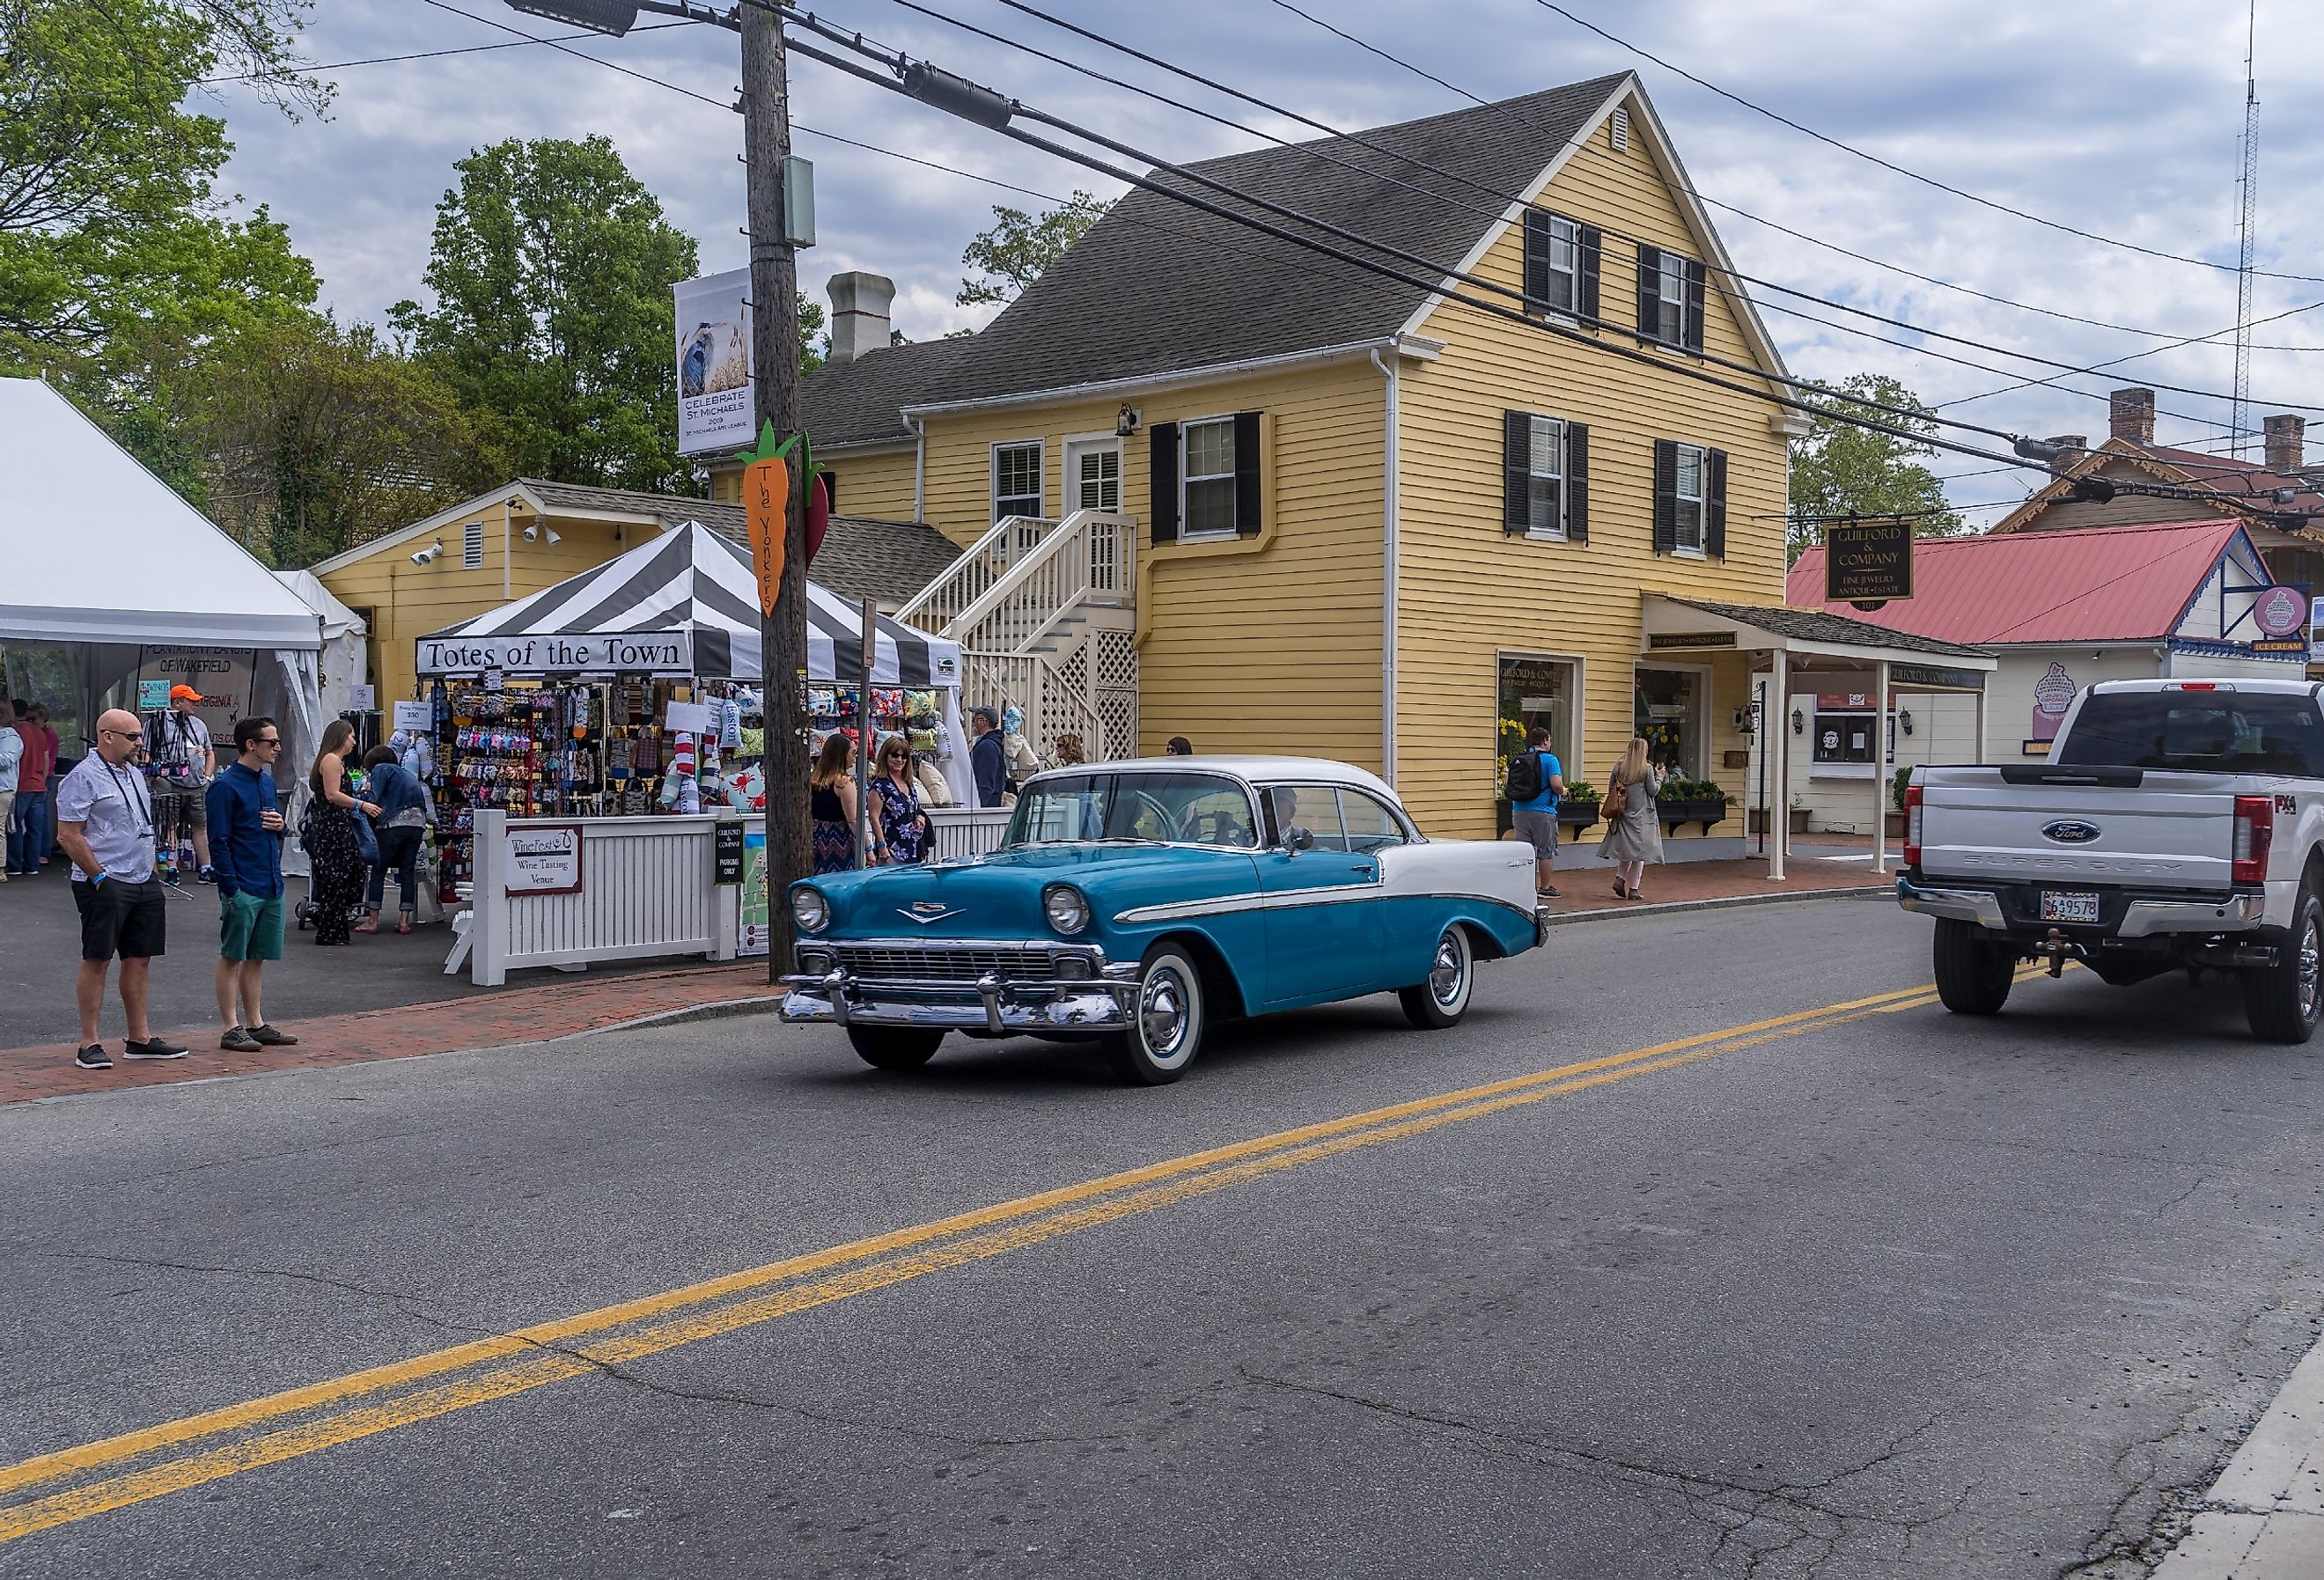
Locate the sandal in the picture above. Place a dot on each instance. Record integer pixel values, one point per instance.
(404, 928)
(364, 927)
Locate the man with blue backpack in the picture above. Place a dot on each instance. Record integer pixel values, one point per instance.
(1536, 782)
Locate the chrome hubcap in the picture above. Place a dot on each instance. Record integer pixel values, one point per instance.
(1448, 977)
(1162, 1015)
(2311, 965)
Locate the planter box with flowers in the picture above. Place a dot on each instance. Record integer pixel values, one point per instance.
(1578, 809)
(1691, 801)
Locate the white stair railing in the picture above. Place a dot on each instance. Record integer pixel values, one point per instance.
(972, 575)
(1086, 559)
(1051, 707)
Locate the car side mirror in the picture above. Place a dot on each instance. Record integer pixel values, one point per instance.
(1298, 839)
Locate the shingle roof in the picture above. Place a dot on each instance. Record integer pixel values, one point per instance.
(1157, 287)
(2081, 584)
(1812, 625)
(861, 557)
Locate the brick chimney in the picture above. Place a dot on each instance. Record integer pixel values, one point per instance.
(859, 314)
(2130, 414)
(2286, 436)
(2071, 446)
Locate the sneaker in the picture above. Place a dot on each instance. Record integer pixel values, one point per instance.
(207, 875)
(93, 1058)
(240, 1041)
(1550, 894)
(268, 1036)
(154, 1048)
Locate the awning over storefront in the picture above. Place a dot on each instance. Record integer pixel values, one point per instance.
(685, 603)
(1800, 644)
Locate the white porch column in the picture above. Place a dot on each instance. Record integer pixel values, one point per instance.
(1779, 735)
(1880, 766)
(1982, 754)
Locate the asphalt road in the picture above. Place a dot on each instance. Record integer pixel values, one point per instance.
(1875, 1293)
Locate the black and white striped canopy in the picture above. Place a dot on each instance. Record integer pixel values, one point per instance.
(696, 582)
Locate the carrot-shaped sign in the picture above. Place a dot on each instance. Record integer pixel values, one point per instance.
(766, 507)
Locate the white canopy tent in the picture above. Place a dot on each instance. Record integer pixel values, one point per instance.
(104, 560)
(344, 659)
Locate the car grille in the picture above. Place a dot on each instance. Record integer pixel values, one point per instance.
(875, 963)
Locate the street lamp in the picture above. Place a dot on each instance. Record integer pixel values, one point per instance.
(607, 16)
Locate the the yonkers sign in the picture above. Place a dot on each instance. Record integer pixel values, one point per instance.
(668, 654)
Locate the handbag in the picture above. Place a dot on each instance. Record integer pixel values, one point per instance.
(366, 842)
(1618, 800)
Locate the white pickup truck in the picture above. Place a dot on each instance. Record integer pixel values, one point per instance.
(2177, 823)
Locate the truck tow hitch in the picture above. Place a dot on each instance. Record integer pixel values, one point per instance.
(2057, 949)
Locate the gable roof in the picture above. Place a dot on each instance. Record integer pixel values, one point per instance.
(1156, 288)
(2082, 584)
(861, 557)
(2186, 468)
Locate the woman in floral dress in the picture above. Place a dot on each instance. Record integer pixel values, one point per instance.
(903, 830)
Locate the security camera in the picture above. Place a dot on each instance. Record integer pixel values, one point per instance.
(421, 557)
(555, 536)
(532, 532)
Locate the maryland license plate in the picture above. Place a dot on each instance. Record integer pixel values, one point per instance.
(2070, 905)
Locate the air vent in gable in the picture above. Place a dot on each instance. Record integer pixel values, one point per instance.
(472, 546)
(1618, 128)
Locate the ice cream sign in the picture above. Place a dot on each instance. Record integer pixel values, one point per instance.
(2053, 694)
(2281, 612)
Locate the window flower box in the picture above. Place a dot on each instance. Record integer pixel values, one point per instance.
(1685, 801)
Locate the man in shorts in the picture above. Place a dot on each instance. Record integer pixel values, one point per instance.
(245, 818)
(179, 742)
(1536, 818)
(105, 827)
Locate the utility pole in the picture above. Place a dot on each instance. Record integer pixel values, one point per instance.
(774, 362)
(774, 384)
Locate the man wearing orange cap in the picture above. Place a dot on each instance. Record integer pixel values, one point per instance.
(183, 764)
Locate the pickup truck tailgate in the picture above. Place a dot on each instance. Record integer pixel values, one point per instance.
(2153, 829)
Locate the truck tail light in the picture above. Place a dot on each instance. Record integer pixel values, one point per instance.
(2255, 832)
(1912, 825)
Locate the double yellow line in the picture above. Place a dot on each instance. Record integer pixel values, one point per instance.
(136, 1466)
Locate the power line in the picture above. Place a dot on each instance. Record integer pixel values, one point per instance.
(593, 59)
(516, 44)
(2134, 357)
(1383, 54)
(1196, 77)
(1890, 165)
(1502, 199)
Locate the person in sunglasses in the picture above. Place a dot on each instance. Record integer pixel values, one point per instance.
(105, 826)
(245, 818)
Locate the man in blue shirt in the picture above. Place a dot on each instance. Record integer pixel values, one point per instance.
(987, 762)
(245, 818)
(1536, 818)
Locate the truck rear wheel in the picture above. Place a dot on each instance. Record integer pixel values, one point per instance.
(1973, 976)
(2284, 1001)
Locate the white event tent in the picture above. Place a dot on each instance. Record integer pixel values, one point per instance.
(104, 560)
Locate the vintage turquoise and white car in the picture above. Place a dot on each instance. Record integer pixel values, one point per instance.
(1134, 903)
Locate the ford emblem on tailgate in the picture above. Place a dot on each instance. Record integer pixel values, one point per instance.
(2071, 831)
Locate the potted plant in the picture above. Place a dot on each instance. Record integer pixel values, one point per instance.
(1692, 800)
(1897, 787)
(1578, 808)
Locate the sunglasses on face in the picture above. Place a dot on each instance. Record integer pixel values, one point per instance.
(124, 734)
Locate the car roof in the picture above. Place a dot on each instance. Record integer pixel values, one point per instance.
(1259, 771)
(2286, 686)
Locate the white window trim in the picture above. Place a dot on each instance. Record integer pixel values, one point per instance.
(1669, 266)
(1702, 503)
(1187, 534)
(992, 494)
(1569, 313)
(1567, 752)
(1885, 766)
(1556, 534)
(1707, 684)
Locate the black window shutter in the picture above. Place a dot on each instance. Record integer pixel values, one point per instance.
(1693, 305)
(1516, 471)
(1248, 493)
(1650, 295)
(1714, 503)
(1665, 495)
(1536, 258)
(1162, 474)
(1589, 242)
(1577, 482)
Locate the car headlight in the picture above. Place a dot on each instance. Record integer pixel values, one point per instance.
(1068, 913)
(810, 911)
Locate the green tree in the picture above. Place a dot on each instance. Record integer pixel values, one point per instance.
(1841, 469)
(1020, 246)
(551, 267)
(314, 438)
(112, 237)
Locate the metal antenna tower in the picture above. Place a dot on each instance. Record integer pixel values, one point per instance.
(2240, 413)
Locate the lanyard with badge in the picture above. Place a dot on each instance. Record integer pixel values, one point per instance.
(139, 806)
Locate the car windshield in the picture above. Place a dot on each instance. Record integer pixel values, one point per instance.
(2204, 732)
(1179, 808)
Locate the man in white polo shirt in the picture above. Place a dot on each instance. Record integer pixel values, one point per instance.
(105, 827)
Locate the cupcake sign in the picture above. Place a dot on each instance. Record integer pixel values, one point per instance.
(2053, 694)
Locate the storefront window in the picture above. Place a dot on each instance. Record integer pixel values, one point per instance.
(1666, 708)
(1841, 741)
(1539, 691)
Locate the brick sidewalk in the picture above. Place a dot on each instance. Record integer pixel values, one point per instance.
(1587, 890)
(523, 1014)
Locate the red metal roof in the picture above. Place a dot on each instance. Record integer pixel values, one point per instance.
(2094, 584)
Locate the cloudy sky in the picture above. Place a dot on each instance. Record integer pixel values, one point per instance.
(2117, 117)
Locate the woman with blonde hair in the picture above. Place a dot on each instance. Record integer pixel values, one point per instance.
(831, 804)
(900, 831)
(1069, 751)
(1634, 830)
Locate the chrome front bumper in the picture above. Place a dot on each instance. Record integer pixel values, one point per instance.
(1096, 997)
(2141, 919)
